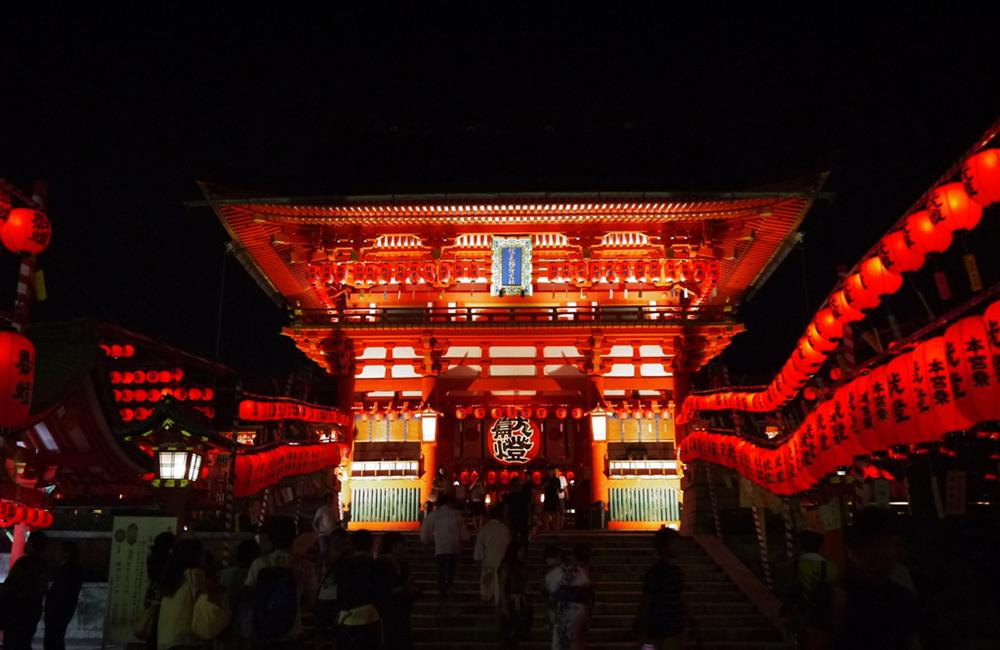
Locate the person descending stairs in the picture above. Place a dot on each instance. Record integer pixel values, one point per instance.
(723, 617)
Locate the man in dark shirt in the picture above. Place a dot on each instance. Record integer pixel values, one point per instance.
(63, 594)
(518, 506)
(661, 616)
(22, 593)
(870, 610)
(551, 487)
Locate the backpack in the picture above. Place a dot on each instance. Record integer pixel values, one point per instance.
(810, 607)
(275, 602)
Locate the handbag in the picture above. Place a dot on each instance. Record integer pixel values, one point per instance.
(145, 626)
(208, 620)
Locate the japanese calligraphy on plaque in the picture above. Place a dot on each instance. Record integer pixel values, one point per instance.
(513, 440)
(511, 266)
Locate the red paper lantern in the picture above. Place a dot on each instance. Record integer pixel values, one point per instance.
(928, 236)
(17, 378)
(898, 252)
(536, 477)
(952, 206)
(541, 412)
(479, 412)
(463, 478)
(828, 325)
(570, 476)
(496, 412)
(527, 412)
(967, 346)
(991, 321)
(878, 279)
(938, 383)
(561, 412)
(981, 177)
(810, 394)
(460, 413)
(26, 231)
(504, 476)
(816, 340)
(491, 477)
(843, 309)
(806, 358)
(577, 413)
(859, 295)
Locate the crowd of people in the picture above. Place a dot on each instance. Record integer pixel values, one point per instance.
(44, 582)
(869, 604)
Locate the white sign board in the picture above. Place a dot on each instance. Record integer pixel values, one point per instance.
(131, 539)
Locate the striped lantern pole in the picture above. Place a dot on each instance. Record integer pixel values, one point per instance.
(230, 494)
(786, 515)
(298, 503)
(765, 564)
(713, 499)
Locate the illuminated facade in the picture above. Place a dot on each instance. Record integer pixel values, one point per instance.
(499, 334)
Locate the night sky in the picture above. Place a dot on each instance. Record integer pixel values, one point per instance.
(121, 115)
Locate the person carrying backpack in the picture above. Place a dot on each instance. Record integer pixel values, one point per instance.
(275, 584)
(327, 611)
(809, 603)
(359, 592)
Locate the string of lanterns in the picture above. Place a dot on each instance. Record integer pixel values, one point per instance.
(943, 384)
(441, 274)
(24, 231)
(537, 412)
(950, 207)
(13, 513)
(268, 410)
(260, 469)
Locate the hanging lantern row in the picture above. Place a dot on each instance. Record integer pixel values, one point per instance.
(950, 208)
(26, 231)
(505, 476)
(943, 384)
(262, 469)
(17, 378)
(118, 350)
(161, 376)
(536, 412)
(194, 394)
(143, 413)
(261, 410)
(388, 413)
(638, 410)
(12, 513)
(441, 274)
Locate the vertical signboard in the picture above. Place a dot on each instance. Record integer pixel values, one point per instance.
(511, 266)
(131, 539)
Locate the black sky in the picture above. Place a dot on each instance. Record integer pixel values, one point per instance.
(122, 114)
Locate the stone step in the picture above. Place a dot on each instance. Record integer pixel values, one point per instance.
(623, 642)
(599, 635)
(623, 620)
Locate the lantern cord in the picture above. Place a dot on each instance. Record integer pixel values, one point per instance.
(805, 282)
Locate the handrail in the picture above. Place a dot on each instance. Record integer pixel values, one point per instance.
(489, 315)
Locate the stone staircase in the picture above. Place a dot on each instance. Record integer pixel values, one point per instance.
(726, 620)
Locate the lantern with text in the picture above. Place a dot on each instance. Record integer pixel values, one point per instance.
(952, 207)
(928, 236)
(991, 321)
(26, 231)
(981, 177)
(17, 378)
(513, 440)
(967, 347)
(898, 253)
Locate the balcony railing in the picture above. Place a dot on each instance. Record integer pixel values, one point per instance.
(486, 316)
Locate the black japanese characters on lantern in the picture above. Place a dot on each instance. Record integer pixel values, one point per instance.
(513, 440)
